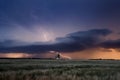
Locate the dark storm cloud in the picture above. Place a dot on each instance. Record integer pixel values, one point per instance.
(72, 42)
(115, 44)
(83, 39)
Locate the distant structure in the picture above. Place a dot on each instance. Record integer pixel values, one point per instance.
(58, 55)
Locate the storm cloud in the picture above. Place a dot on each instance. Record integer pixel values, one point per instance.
(115, 44)
(72, 42)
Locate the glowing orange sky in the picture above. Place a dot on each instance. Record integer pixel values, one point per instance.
(87, 54)
(15, 55)
(95, 54)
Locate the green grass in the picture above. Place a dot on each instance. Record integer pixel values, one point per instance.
(37, 69)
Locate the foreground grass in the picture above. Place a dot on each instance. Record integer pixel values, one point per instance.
(36, 69)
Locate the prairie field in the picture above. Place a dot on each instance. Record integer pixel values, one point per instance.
(48, 69)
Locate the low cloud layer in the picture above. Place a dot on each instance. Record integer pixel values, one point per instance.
(73, 42)
(111, 44)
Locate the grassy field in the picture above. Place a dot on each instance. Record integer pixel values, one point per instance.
(39, 69)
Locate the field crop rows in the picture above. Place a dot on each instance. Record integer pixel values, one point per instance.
(37, 69)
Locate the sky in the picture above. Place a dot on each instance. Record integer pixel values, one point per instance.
(80, 29)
